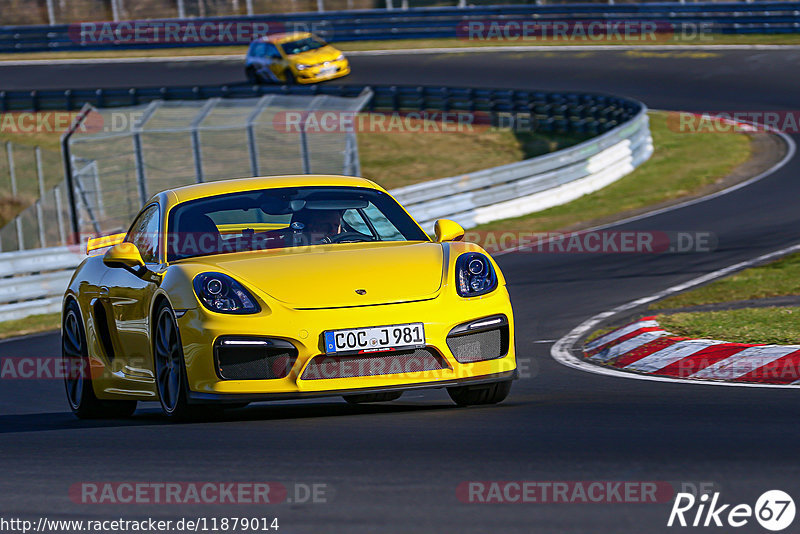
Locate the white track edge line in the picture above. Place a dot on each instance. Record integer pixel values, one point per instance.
(562, 350)
(790, 152)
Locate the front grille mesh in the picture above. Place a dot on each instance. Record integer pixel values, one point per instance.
(479, 346)
(384, 363)
(254, 363)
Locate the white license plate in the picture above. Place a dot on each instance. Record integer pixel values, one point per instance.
(326, 71)
(375, 338)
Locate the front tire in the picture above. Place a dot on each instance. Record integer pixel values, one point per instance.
(480, 395)
(78, 380)
(252, 77)
(289, 77)
(169, 366)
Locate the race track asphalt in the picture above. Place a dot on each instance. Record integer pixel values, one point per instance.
(395, 467)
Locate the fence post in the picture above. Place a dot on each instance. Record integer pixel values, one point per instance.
(389, 5)
(62, 234)
(251, 134)
(250, 7)
(115, 10)
(39, 212)
(320, 5)
(404, 4)
(12, 174)
(67, 161)
(181, 10)
(304, 149)
(141, 176)
(352, 163)
(196, 150)
(51, 13)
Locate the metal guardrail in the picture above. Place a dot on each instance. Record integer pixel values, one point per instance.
(427, 23)
(532, 185)
(33, 281)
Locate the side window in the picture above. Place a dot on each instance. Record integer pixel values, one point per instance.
(386, 230)
(259, 49)
(356, 222)
(272, 51)
(144, 234)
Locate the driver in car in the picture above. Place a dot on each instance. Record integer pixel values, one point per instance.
(320, 225)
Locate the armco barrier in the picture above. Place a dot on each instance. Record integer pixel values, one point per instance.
(34, 281)
(532, 185)
(427, 23)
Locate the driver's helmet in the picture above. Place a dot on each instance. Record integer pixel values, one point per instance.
(319, 222)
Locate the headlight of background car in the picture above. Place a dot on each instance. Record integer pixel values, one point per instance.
(474, 275)
(222, 294)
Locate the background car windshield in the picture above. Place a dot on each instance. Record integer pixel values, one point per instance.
(302, 45)
(286, 217)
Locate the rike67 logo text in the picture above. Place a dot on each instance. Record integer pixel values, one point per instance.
(774, 510)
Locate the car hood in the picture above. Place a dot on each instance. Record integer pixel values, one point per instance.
(327, 276)
(320, 55)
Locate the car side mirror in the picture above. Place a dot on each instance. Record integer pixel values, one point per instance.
(447, 230)
(124, 255)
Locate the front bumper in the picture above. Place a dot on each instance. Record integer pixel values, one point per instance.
(234, 398)
(304, 329)
(316, 73)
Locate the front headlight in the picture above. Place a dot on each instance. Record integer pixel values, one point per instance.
(222, 294)
(475, 275)
(300, 66)
(341, 57)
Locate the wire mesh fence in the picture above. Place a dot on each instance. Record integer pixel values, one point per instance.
(28, 175)
(122, 156)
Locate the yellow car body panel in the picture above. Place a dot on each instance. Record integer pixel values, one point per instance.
(404, 282)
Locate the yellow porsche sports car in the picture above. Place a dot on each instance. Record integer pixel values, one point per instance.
(255, 289)
(290, 58)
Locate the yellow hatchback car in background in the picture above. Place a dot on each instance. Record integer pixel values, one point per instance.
(289, 58)
(283, 287)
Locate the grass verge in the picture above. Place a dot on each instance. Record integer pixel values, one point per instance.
(681, 165)
(30, 325)
(398, 158)
(747, 325)
(775, 279)
(399, 44)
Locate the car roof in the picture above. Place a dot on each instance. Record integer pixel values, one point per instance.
(277, 38)
(221, 187)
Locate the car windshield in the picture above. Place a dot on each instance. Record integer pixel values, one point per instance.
(302, 45)
(286, 217)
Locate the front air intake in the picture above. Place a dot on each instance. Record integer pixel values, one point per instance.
(374, 364)
(476, 341)
(253, 358)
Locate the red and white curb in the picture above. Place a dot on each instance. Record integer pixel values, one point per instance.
(645, 347)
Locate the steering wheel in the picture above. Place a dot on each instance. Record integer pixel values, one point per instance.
(348, 237)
